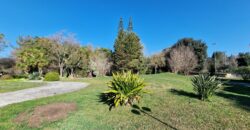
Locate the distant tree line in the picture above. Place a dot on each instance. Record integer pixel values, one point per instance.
(64, 54)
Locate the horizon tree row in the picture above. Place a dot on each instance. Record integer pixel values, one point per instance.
(63, 53)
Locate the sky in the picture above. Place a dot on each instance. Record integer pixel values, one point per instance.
(223, 24)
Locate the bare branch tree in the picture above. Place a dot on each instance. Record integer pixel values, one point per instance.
(64, 48)
(100, 63)
(182, 59)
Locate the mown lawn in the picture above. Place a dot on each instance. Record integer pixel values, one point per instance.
(8, 86)
(172, 103)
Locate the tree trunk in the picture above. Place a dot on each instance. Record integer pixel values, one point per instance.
(40, 70)
(61, 71)
(155, 69)
(71, 73)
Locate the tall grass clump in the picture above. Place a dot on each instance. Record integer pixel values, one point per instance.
(205, 86)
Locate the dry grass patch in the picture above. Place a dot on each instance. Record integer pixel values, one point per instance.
(47, 113)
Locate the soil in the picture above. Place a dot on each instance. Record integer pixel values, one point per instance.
(47, 113)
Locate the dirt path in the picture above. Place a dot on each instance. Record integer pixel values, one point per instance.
(50, 89)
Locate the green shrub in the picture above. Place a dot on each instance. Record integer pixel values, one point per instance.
(52, 76)
(244, 72)
(21, 76)
(6, 77)
(34, 76)
(125, 89)
(205, 85)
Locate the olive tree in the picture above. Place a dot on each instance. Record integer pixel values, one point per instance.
(157, 60)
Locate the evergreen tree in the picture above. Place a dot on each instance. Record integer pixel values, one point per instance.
(130, 25)
(127, 50)
(2, 42)
(119, 54)
(133, 49)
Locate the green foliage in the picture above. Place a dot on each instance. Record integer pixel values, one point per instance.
(34, 76)
(52, 76)
(6, 77)
(128, 53)
(205, 85)
(32, 54)
(3, 42)
(157, 61)
(7, 66)
(125, 89)
(244, 59)
(244, 71)
(199, 47)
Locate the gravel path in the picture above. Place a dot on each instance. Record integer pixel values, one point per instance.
(50, 89)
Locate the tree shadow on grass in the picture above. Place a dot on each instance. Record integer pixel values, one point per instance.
(238, 91)
(104, 98)
(146, 111)
(234, 81)
(233, 87)
(240, 100)
(184, 93)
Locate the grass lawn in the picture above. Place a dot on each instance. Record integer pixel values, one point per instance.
(7, 86)
(172, 102)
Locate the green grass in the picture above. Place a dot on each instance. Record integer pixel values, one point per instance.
(8, 86)
(172, 102)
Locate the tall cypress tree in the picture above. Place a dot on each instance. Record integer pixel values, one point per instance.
(119, 54)
(128, 50)
(130, 25)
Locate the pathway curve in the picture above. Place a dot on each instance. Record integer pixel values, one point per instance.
(50, 89)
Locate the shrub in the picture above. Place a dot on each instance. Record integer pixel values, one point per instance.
(52, 76)
(125, 89)
(244, 72)
(34, 76)
(20, 76)
(205, 85)
(6, 77)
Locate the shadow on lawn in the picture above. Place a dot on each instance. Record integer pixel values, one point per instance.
(146, 111)
(233, 87)
(103, 98)
(238, 93)
(240, 101)
(184, 93)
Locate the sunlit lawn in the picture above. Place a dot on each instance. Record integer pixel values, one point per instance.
(7, 86)
(172, 102)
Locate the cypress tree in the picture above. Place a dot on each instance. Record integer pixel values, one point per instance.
(127, 50)
(130, 25)
(119, 54)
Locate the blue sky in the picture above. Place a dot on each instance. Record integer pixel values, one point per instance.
(159, 23)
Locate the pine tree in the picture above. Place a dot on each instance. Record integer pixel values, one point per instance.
(119, 54)
(133, 49)
(120, 27)
(127, 50)
(130, 25)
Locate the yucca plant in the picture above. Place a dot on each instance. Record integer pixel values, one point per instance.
(205, 85)
(125, 89)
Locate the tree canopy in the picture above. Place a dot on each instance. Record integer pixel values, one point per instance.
(199, 47)
(128, 53)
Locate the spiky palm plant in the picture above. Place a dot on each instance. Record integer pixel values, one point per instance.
(125, 88)
(205, 85)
